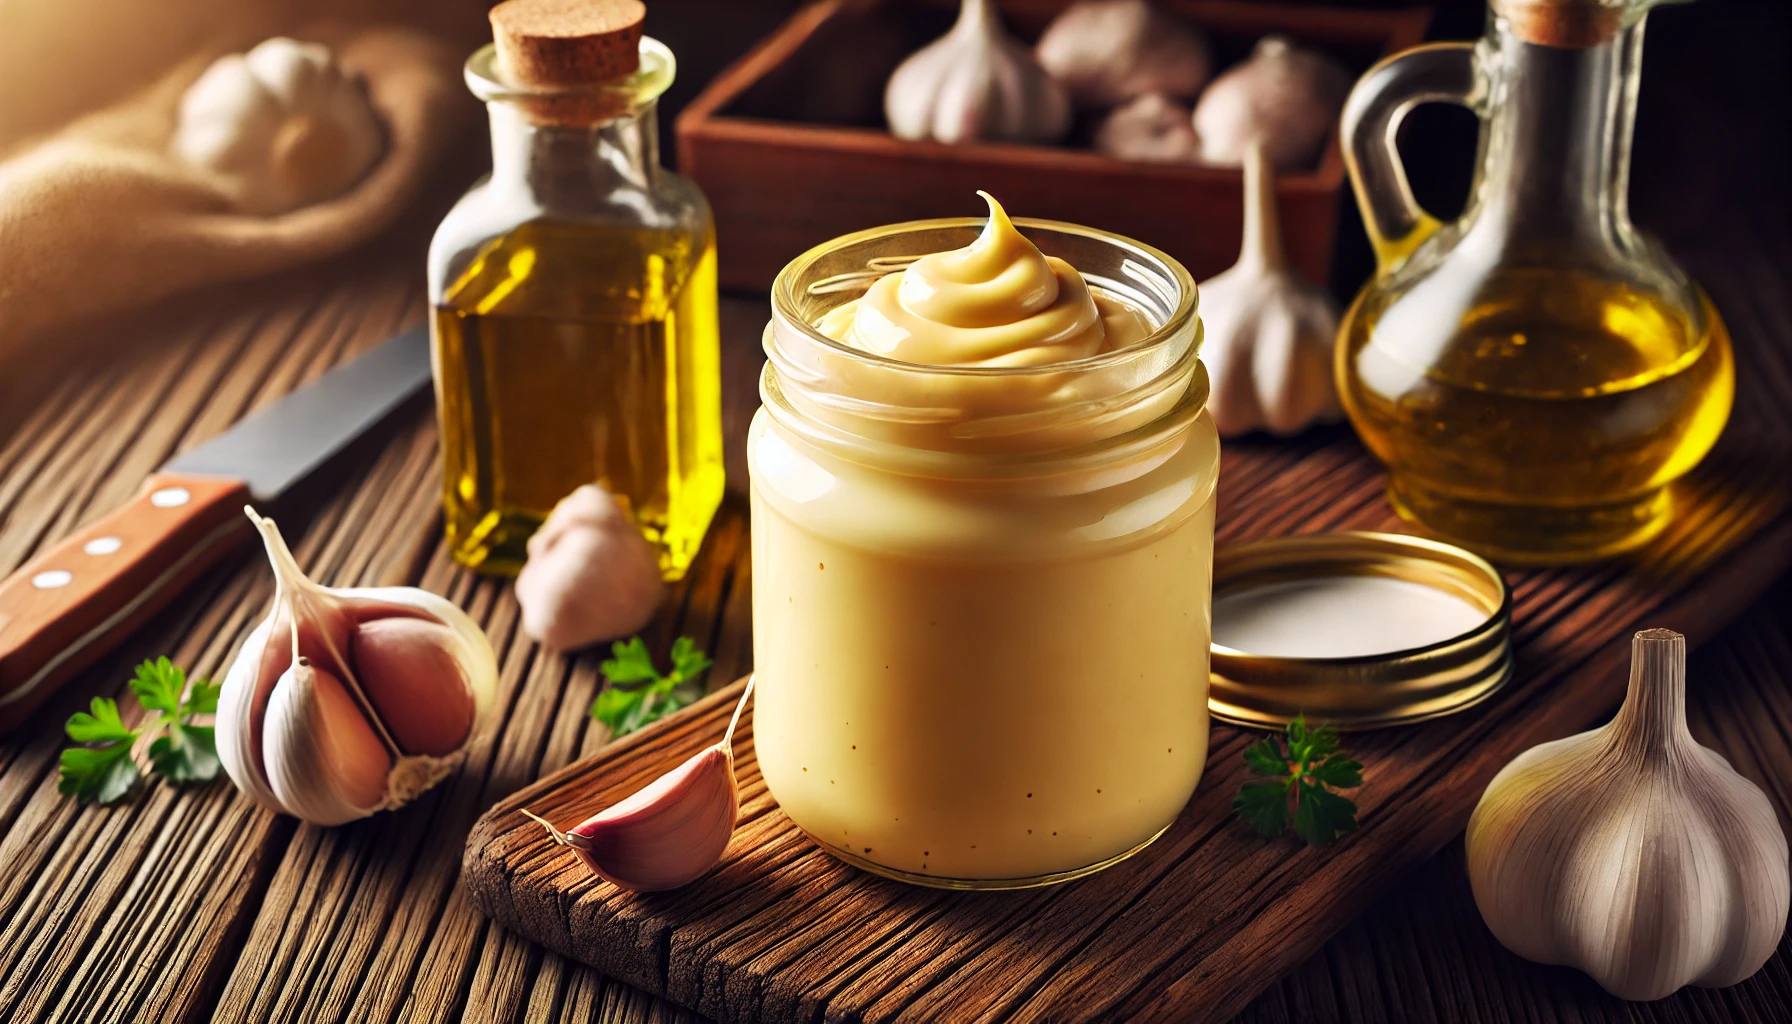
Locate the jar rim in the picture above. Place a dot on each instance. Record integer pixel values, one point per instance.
(658, 68)
(785, 298)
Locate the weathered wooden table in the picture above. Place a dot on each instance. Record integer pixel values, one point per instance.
(195, 905)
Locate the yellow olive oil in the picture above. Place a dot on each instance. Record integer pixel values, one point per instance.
(569, 354)
(1539, 417)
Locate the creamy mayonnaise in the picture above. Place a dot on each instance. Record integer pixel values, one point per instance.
(981, 597)
(996, 302)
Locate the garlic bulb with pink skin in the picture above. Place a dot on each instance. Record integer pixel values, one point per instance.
(371, 700)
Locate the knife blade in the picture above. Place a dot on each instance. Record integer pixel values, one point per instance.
(73, 602)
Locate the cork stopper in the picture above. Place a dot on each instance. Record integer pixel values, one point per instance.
(568, 49)
(1567, 24)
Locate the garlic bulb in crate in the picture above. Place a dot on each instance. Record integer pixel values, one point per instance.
(1285, 96)
(368, 702)
(1268, 333)
(1107, 52)
(283, 125)
(975, 82)
(1632, 852)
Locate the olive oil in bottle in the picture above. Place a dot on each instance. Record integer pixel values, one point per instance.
(577, 353)
(1543, 423)
(574, 292)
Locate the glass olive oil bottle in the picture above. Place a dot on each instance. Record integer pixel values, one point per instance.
(576, 335)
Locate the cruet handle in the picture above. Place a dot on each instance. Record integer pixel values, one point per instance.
(1434, 73)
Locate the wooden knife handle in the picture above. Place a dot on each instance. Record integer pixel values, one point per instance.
(75, 601)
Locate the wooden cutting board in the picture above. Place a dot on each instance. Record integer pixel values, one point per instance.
(1198, 923)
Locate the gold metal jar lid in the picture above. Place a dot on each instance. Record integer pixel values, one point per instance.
(1373, 679)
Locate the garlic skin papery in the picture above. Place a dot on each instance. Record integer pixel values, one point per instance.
(1109, 51)
(1631, 852)
(1286, 95)
(369, 702)
(284, 125)
(975, 83)
(1268, 333)
(670, 832)
(590, 577)
(1152, 128)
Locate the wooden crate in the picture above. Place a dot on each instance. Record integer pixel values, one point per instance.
(788, 164)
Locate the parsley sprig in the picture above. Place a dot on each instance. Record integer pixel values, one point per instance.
(637, 693)
(1302, 777)
(105, 769)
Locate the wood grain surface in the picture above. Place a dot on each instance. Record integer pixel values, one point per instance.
(193, 905)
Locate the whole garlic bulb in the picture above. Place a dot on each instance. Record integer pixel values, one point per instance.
(1268, 333)
(975, 82)
(283, 124)
(1108, 51)
(591, 576)
(671, 831)
(1285, 95)
(1631, 852)
(1152, 128)
(368, 702)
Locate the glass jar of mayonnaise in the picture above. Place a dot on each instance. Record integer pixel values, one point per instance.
(982, 483)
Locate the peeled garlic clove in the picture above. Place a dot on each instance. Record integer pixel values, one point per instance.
(1152, 128)
(590, 577)
(1286, 96)
(1267, 333)
(975, 82)
(326, 764)
(283, 125)
(670, 832)
(1631, 851)
(1107, 52)
(312, 711)
(405, 664)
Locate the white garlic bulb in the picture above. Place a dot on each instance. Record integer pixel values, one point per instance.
(1631, 852)
(1268, 333)
(1152, 128)
(975, 82)
(284, 126)
(1108, 51)
(368, 702)
(591, 576)
(1285, 95)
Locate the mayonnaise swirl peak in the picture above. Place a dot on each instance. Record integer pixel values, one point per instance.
(997, 302)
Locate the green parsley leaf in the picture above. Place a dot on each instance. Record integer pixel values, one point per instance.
(100, 774)
(1303, 772)
(102, 725)
(158, 685)
(103, 773)
(180, 751)
(637, 693)
(186, 753)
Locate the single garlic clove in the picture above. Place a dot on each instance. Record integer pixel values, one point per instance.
(670, 832)
(1107, 52)
(326, 764)
(590, 577)
(416, 684)
(1285, 96)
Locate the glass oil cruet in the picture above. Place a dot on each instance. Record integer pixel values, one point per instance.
(576, 335)
(1535, 374)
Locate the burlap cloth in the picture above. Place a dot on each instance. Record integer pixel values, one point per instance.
(97, 216)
